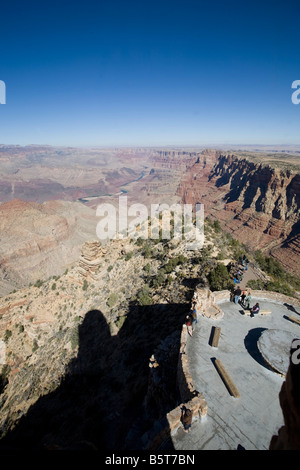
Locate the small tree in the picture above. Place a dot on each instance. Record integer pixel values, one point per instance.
(143, 296)
(219, 278)
(112, 300)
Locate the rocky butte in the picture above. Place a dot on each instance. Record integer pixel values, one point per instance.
(40, 240)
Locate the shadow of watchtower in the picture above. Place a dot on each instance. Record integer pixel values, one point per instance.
(101, 397)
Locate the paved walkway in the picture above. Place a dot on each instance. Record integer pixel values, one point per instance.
(248, 275)
(248, 421)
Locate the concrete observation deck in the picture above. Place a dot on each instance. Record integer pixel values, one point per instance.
(249, 420)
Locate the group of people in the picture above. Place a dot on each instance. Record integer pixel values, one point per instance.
(239, 269)
(244, 299)
(239, 296)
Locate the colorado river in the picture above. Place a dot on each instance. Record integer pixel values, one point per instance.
(122, 191)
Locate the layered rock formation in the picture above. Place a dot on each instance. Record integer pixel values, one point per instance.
(257, 203)
(254, 195)
(41, 240)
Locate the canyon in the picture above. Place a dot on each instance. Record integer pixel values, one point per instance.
(49, 198)
(81, 318)
(257, 202)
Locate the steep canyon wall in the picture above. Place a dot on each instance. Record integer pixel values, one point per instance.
(257, 203)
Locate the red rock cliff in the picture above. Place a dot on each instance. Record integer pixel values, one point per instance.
(259, 204)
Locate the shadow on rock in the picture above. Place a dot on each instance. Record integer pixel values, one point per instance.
(251, 341)
(104, 396)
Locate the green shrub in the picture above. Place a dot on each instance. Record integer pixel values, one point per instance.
(269, 265)
(173, 262)
(274, 286)
(282, 281)
(143, 296)
(158, 280)
(147, 268)
(139, 241)
(147, 251)
(120, 321)
(7, 335)
(281, 287)
(74, 337)
(219, 278)
(112, 299)
(216, 226)
(256, 284)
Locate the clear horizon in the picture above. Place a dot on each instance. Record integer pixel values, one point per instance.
(151, 74)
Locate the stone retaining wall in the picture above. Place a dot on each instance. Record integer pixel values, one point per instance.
(190, 397)
(275, 296)
(224, 296)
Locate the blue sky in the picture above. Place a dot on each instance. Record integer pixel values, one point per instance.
(149, 73)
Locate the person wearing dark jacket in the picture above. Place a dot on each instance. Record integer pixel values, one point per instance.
(254, 310)
(237, 295)
(186, 418)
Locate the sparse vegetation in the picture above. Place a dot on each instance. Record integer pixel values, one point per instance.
(147, 268)
(173, 262)
(74, 337)
(120, 321)
(129, 255)
(143, 296)
(281, 281)
(219, 278)
(158, 280)
(112, 300)
(7, 335)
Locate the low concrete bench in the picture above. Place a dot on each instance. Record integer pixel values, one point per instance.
(215, 336)
(246, 312)
(261, 312)
(294, 319)
(226, 379)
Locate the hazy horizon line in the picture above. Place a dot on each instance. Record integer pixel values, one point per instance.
(135, 145)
